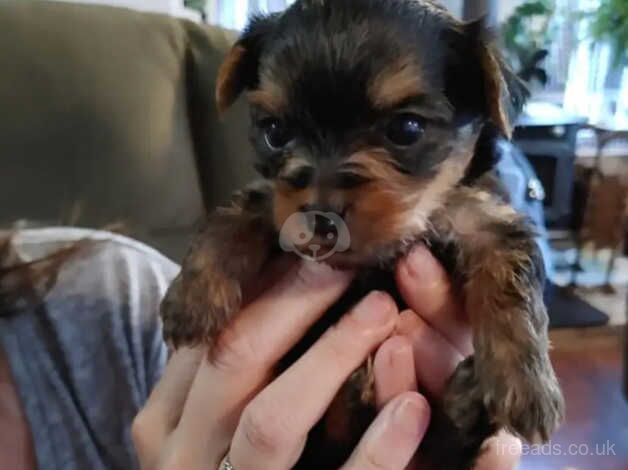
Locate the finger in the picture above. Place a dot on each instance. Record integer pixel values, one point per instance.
(393, 438)
(435, 359)
(274, 426)
(274, 271)
(502, 452)
(163, 409)
(426, 288)
(164, 406)
(393, 368)
(246, 352)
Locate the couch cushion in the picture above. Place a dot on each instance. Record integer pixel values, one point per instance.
(95, 126)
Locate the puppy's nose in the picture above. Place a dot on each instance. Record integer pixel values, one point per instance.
(323, 225)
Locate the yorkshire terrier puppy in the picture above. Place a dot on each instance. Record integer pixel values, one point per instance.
(375, 124)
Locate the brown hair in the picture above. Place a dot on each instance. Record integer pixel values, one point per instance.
(22, 281)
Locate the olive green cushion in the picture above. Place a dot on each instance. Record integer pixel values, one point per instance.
(107, 115)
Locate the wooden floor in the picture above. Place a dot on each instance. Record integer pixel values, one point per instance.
(595, 435)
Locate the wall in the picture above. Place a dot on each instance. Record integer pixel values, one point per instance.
(506, 8)
(170, 7)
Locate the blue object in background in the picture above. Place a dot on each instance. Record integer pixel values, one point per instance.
(526, 194)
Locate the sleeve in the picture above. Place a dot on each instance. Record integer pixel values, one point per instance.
(87, 358)
(124, 282)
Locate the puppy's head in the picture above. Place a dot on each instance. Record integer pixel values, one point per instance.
(368, 109)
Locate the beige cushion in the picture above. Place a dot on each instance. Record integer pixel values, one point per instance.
(106, 116)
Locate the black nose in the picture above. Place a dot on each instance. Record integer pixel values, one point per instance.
(323, 225)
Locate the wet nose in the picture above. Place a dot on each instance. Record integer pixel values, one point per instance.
(323, 225)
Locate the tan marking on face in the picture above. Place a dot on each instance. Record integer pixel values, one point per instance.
(391, 207)
(226, 82)
(288, 201)
(269, 96)
(377, 208)
(396, 83)
(396, 207)
(293, 164)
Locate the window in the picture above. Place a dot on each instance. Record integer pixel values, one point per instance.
(233, 14)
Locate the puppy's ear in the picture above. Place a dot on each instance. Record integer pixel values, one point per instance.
(479, 81)
(504, 92)
(239, 70)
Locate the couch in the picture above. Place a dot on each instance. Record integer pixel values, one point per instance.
(107, 116)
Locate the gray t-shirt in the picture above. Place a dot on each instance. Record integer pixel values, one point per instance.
(85, 360)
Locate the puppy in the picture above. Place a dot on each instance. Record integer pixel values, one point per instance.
(375, 122)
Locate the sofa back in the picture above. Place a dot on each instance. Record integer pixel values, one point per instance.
(107, 115)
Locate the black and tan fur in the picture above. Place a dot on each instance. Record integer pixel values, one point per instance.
(335, 74)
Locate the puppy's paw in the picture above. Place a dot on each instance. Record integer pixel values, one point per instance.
(523, 398)
(194, 311)
(463, 402)
(460, 423)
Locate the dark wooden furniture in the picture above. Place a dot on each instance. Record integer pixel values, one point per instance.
(606, 206)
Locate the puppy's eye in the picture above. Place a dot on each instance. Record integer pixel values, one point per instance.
(301, 178)
(276, 134)
(405, 129)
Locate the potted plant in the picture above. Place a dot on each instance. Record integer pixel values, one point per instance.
(198, 5)
(526, 35)
(609, 22)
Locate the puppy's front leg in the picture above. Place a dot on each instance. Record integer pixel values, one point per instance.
(227, 253)
(509, 382)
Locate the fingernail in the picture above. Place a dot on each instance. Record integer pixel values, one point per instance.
(374, 309)
(420, 263)
(411, 416)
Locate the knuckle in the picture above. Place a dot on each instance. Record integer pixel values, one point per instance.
(422, 328)
(361, 336)
(175, 459)
(342, 345)
(371, 460)
(140, 431)
(234, 351)
(262, 430)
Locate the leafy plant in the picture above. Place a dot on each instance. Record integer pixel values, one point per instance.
(609, 22)
(525, 36)
(198, 5)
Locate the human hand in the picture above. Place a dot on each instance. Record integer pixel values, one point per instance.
(432, 338)
(202, 409)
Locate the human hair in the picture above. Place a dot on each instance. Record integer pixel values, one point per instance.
(24, 281)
